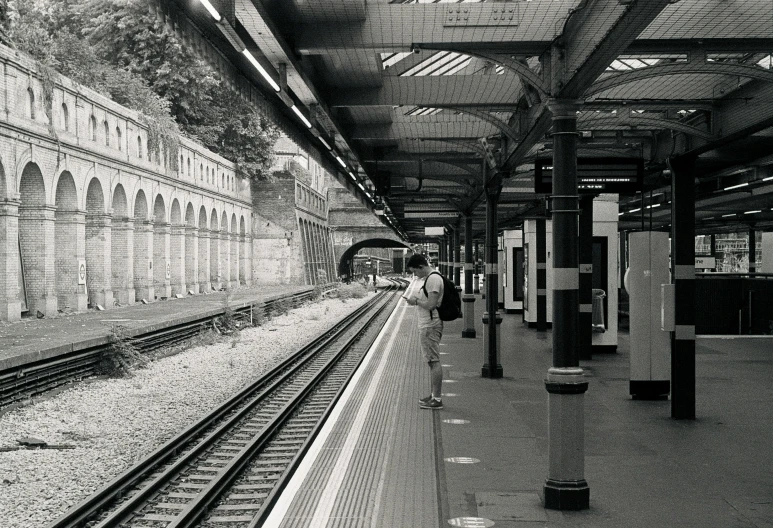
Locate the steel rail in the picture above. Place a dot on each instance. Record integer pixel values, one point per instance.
(20, 383)
(85, 511)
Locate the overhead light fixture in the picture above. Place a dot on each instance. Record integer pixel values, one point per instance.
(339, 160)
(653, 206)
(768, 178)
(621, 214)
(736, 186)
(301, 116)
(752, 212)
(211, 9)
(351, 174)
(728, 215)
(322, 140)
(261, 70)
(635, 210)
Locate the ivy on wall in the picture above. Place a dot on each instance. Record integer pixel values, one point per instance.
(123, 50)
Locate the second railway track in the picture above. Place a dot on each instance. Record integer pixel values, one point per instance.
(226, 469)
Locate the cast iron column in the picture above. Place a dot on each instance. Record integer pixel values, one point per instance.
(468, 298)
(457, 256)
(491, 318)
(683, 273)
(542, 276)
(441, 255)
(586, 278)
(752, 252)
(476, 269)
(565, 487)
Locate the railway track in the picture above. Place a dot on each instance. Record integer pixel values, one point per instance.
(24, 382)
(226, 469)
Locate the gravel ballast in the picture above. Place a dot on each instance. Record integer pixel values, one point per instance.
(112, 423)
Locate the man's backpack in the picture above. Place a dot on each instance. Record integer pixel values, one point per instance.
(450, 306)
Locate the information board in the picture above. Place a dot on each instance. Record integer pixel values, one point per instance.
(595, 175)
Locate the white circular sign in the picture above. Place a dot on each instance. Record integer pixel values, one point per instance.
(82, 271)
(471, 522)
(462, 460)
(455, 421)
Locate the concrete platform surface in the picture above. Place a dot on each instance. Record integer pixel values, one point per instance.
(489, 444)
(33, 339)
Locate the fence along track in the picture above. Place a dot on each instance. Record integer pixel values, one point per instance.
(178, 482)
(24, 382)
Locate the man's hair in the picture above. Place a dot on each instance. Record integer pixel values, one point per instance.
(416, 261)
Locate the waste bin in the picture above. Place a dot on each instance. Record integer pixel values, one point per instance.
(597, 317)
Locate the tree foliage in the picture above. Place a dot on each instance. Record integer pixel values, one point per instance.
(121, 49)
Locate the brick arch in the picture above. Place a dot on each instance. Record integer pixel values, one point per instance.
(204, 266)
(95, 197)
(159, 209)
(242, 226)
(32, 187)
(66, 196)
(176, 213)
(3, 183)
(140, 206)
(233, 223)
(214, 250)
(244, 253)
(203, 218)
(190, 215)
(236, 251)
(122, 248)
(225, 250)
(120, 204)
(143, 250)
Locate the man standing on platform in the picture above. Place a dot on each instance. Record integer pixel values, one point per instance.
(426, 299)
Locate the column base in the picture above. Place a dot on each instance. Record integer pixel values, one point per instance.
(179, 288)
(10, 311)
(104, 299)
(146, 293)
(649, 389)
(468, 333)
(125, 297)
(567, 495)
(487, 372)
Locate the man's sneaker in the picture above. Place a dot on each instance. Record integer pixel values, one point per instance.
(425, 400)
(434, 403)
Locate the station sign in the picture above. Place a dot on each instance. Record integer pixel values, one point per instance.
(595, 175)
(434, 231)
(431, 214)
(81, 271)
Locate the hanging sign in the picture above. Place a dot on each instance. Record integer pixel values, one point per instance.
(81, 271)
(705, 262)
(595, 175)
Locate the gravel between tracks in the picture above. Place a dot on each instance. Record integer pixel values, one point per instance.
(114, 422)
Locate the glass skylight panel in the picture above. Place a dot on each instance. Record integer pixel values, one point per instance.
(766, 62)
(390, 59)
(430, 64)
(455, 66)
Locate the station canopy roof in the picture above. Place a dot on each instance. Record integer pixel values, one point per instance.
(404, 91)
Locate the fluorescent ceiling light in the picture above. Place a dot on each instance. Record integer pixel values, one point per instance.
(325, 143)
(635, 210)
(352, 175)
(261, 70)
(211, 9)
(752, 212)
(621, 214)
(652, 206)
(360, 186)
(727, 215)
(735, 186)
(301, 116)
(339, 160)
(768, 178)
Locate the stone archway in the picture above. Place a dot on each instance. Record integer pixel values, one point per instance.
(244, 263)
(177, 249)
(122, 249)
(70, 247)
(143, 249)
(37, 241)
(162, 269)
(345, 264)
(225, 252)
(214, 251)
(98, 247)
(12, 294)
(205, 282)
(191, 250)
(235, 251)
